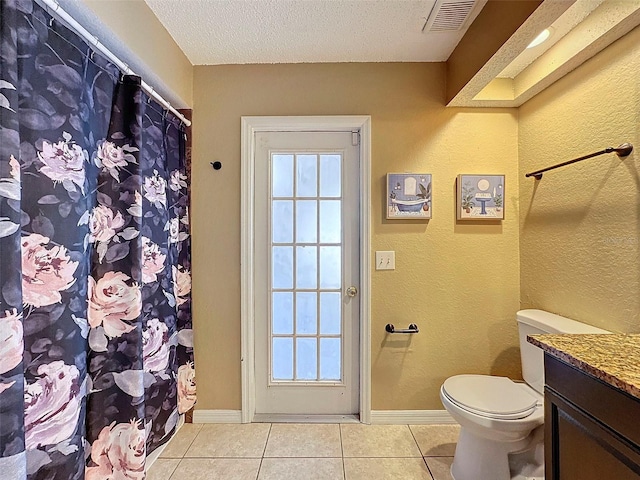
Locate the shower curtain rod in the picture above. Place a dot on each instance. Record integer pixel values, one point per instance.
(56, 9)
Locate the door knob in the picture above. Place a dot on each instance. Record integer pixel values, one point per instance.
(352, 291)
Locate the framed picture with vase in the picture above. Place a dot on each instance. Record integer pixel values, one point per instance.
(480, 197)
(409, 196)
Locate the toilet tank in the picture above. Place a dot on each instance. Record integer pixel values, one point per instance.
(533, 322)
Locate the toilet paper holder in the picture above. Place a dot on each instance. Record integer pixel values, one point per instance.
(413, 328)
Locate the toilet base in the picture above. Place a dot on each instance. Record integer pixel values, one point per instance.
(528, 465)
(479, 458)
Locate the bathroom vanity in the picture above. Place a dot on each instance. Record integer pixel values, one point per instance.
(592, 406)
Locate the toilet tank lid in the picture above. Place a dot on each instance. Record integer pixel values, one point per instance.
(552, 323)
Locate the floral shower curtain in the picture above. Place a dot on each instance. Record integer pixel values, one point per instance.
(96, 345)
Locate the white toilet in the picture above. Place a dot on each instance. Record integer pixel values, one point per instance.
(502, 421)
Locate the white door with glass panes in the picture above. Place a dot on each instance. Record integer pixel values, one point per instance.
(307, 273)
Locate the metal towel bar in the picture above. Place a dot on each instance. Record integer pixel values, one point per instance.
(413, 328)
(621, 150)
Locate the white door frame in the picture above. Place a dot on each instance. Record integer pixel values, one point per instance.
(251, 125)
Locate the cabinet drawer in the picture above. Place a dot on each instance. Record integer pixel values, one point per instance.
(614, 408)
(578, 447)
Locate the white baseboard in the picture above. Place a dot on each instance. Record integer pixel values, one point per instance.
(378, 417)
(217, 416)
(411, 417)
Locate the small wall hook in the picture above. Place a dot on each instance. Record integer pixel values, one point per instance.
(216, 165)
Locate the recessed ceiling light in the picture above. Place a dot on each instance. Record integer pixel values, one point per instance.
(542, 36)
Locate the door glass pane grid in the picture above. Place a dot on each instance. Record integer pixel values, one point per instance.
(306, 290)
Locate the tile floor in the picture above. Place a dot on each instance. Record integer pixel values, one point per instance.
(280, 451)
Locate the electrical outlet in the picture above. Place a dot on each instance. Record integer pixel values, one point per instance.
(385, 260)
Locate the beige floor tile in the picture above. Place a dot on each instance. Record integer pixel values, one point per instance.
(179, 444)
(230, 440)
(217, 468)
(162, 468)
(301, 468)
(436, 440)
(386, 469)
(440, 467)
(378, 441)
(308, 440)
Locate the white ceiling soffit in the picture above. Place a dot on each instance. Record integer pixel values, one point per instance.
(590, 26)
(217, 32)
(574, 15)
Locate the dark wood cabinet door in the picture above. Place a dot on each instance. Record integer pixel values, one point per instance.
(584, 450)
(580, 445)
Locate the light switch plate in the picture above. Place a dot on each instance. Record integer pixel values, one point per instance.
(385, 260)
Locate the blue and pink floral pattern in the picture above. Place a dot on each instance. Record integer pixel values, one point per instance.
(96, 341)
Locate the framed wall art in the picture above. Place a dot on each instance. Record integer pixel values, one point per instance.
(480, 197)
(409, 196)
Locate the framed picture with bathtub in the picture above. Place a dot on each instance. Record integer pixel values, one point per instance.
(480, 197)
(409, 196)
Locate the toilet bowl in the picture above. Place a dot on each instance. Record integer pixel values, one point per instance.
(501, 435)
(498, 417)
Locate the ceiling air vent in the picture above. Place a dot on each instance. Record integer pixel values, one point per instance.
(448, 15)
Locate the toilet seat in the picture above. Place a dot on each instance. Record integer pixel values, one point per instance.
(489, 396)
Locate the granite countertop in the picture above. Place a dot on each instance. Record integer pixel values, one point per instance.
(613, 358)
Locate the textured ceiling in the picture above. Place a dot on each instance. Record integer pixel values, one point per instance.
(214, 32)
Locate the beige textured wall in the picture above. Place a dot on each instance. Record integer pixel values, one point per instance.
(137, 27)
(579, 240)
(458, 282)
